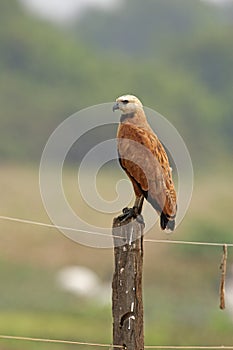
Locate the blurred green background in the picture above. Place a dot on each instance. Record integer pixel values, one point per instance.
(177, 57)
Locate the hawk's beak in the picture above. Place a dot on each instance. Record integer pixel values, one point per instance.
(115, 107)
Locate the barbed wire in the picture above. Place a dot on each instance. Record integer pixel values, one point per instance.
(111, 346)
(165, 241)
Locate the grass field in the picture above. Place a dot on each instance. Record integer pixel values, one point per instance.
(181, 283)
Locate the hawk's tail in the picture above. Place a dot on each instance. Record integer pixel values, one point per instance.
(166, 222)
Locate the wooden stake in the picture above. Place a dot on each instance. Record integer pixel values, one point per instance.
(127, 303)
(223, 268)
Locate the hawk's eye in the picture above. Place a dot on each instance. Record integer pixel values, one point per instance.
(125, 102)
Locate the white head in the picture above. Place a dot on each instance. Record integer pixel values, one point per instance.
(127, 104)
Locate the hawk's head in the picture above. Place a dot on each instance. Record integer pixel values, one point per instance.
(127, 104)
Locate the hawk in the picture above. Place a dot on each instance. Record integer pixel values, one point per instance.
(145, 161)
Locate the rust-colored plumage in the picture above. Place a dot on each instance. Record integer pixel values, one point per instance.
(145, 161)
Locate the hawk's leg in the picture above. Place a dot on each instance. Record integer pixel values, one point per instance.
(138, 204)
(134, 212)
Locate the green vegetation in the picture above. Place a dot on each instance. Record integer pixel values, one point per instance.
(180, 64)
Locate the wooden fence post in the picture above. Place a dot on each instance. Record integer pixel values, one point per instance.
(127, 303)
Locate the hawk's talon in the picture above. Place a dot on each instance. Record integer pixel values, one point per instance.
(125, 210)
(129, 213)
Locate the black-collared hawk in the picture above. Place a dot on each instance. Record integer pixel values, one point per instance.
(144, 159)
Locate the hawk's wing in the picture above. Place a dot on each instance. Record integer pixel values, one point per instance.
(146, 163)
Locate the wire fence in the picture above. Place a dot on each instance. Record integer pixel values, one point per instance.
(111, 346)
(165, 241)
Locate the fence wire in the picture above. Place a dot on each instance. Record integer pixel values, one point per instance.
(111, 346)
(165, 241)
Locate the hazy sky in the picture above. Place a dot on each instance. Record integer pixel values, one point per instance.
(218, 2)
(63, 10)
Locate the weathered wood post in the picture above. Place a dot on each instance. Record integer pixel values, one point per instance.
(127, 303)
